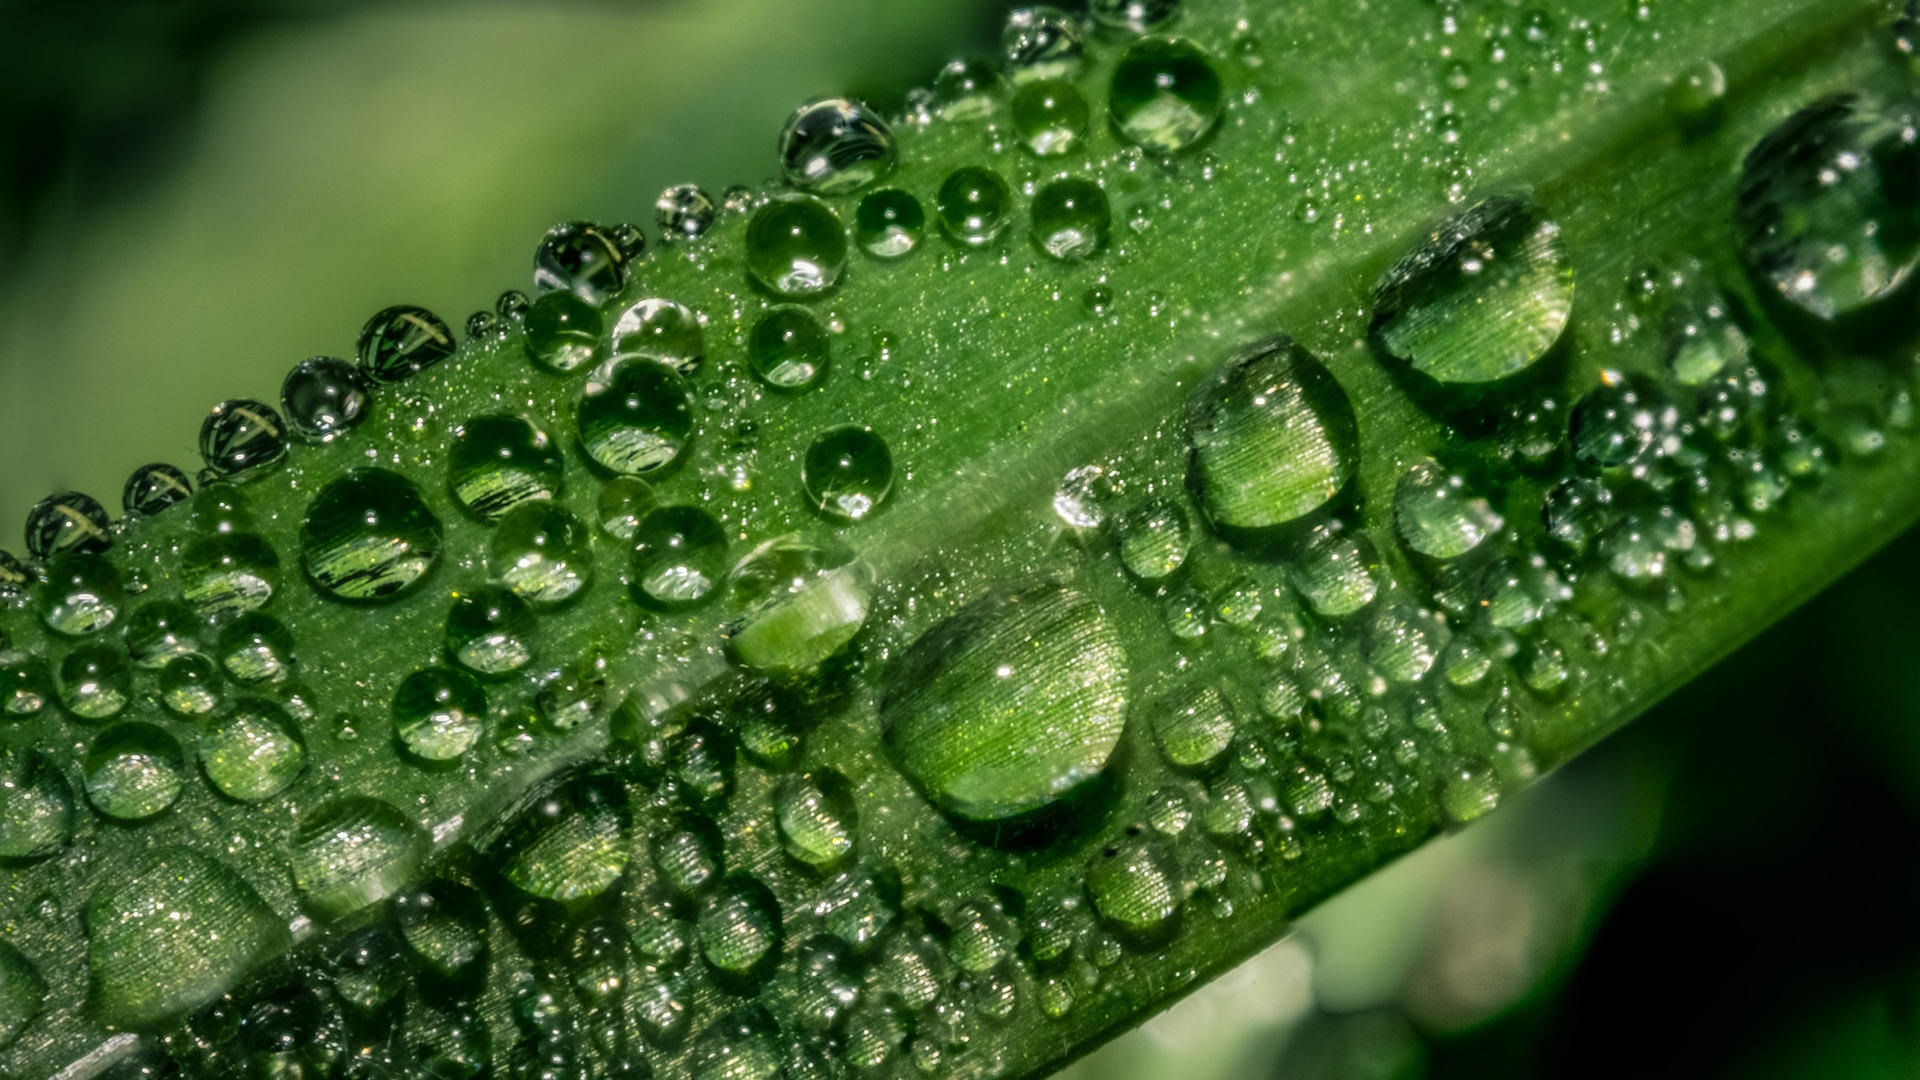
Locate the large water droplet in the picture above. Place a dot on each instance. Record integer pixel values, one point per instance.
(563, 332)
(153, 488)
(1166, 94)
(1482, 296)
(660, 330)
(36, 805)
(253, 752)
(975, 205)
(581, 258)
(368, 537)
(325, 397)
(847, 472)
(739, 927)
(133, 771)
(1071, 219)
(1011, 704)
(498, 462)
(67, 521)
(567, 840)
(438, 713)
(354, 851)
(833, 146)
(889, 223)
(401, 340)
(543, 552)
(82, 594)
(801, 604)
(1273, 438)
(679, 558)
(635, 416)
(796, 246)
(172, 936)
(1828, 213)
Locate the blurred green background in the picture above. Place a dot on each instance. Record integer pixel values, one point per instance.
(199, 195)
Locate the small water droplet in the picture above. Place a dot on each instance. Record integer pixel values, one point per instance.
(975, 205)
(253, 752)
(1051, 117)
(889, 223)
(133, 771)
(154, 488)
(402, 340)
(1071, 219)
(369, 537)
(1272, 439)
(325, 397)
(847, 472)
(684, 212)
(788, 348)
(1041, 42)
(490, 631)
(581, 258)
(496, 463)
(796, 246)
(542, 552)
(438, 713)
(635, 416)
(816, 818)
(679, 558)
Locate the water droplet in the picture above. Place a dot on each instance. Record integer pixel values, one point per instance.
(1470, 791)
(190, 685)
(1404, 644)
(67, 521)
(543, 552)
(660, 330)
(1008, 706)
(1071, 219)
(684, 212)
(242, 435)
(368, 537)
(833, 146)
(172, 936)
(1337, 571)
(133, 771)
(788, 348)
(1626, 422)
(1438, 515)
(325, 397)
(1484, 295)
(1134, 884)
(438, 713)
(801, 604)
(623, 502)
(859, 907)
(1194, 730)
(796, 246)
(445, 927)
(967, 90)
(1702, 338)
(1166, 94)
(581, 258)
(96, 681)
(82, 594)
(739, 928)
(573, 694)
(1697, 94)
(742, 1046)
(847, 472)
(498, 462)
(975, 205)
(567, 840)
(635, 416)
(679, 558)
(1826, 204)
(1051, 117)
(160, 631)
(816, 818)
(1273, 439)
(253, 752)
(352, 852)
(1138, 16)
(228, 573)
(490, 631)
(1041, 42)
(400, 341)
(562, 331)
(221, 507)
(36, 805)
(25, 687)
(14, 577)
(368, 969)
(153, 488)
(889, 223)
(1080, 498)
(1154, 539)
(1577, 510)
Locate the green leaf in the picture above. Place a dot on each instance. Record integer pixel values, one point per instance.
(937, 632)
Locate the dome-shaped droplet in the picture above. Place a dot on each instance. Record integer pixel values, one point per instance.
(1041, 42)
(153, 488)
(325, 397)
(967, 89)
(816, 818)
(975, 205)
(1009, 705)
(788, 348)
(796, 246)
(253, 751)
(1166, 94)
(1337, 572)
(1134, 884)
(581, 258)
(242, 435)
(1194, 729)
(1272, 439)
(1138, 16)
(567, 840)
(96, 681)
(190, 685)
(1627, 422)
(445, 927)
(498, 462)
(490, 630)
(1828, 213)
(1438, 515)
(67, 521)
(1051, 117)
(221, 507)
(660, 330)
(354, 851)
(401, 340)
(25, 685)
(684, 212)
(833, 146)
(227, 573)
(889, 223)
(563, 332)
(622, 504)
(739, 927)
(439, 713)
(133, 771)
(81, 594)
(679, 558)
(1071, 219)
(368, 536)
(1482, 296)
(847, 471)
(1470, 790)
(1153, 538)
(36, 805)
(255, 648)
(635, 416)
(542, 552)
(172, 935)
(160, 631)
(14, 577)
(801, 603)
(1576, 511)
